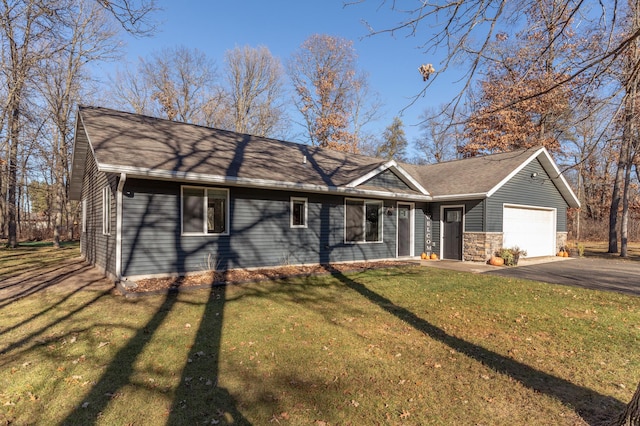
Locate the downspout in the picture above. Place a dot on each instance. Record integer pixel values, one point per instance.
(119, 198)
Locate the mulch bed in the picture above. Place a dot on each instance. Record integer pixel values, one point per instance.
(235, 276)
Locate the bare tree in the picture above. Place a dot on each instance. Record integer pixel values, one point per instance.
(439, 139)
(60, 81)
(179, 79)
(28, 32)
(327, 86)
(367, 107)
(135, 16)
(128, 91)
(36, 34)
(628, 145)
(176, 83)
(256, 90)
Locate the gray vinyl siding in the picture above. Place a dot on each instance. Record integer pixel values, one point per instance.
(98, 249)
(419, 240)
(524, 190)
(473, 218)
(259, 235)
(473, 213)
(387, 179)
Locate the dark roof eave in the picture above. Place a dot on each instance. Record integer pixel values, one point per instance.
(79, 154)
(134, 172)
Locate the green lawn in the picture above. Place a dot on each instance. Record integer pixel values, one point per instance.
(408, 345)
(33, 256)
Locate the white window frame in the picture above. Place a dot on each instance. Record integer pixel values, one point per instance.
(304, 202)
(84, 215)
(106, 210)
(365, 202)
(205, 201)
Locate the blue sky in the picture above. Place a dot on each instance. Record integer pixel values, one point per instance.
(282, 25)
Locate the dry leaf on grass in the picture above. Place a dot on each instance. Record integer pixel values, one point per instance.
(242, 275)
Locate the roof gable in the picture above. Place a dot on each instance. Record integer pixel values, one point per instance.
(388, 170)
(480, 177)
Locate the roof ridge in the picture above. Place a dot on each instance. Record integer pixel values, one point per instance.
(485, 156)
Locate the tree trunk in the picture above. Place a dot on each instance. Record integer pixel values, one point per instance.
(3, 204)
(13, 175)
(624, 226)
(57, 196)
(615, 205)
(631, 415)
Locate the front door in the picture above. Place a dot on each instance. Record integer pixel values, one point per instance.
(404, 230)
(452, 233)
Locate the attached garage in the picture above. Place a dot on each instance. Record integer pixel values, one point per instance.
(531, 228)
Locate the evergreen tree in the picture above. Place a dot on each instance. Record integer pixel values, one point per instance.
(394, 142)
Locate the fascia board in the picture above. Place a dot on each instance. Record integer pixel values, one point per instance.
(77, 162)
(558, 179)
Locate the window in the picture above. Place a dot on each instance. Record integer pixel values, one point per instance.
(454, 216)
(363, 221)
(204, 210)
(298, 212)
(84, 215)
(106, 211)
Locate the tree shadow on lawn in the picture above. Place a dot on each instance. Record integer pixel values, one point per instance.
(28, 283)
(192, 386)
(593, 407)
(199, 384)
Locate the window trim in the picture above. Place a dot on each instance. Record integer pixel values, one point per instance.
(305, 203)
(106, 210)
(365, 201)
(205, 206)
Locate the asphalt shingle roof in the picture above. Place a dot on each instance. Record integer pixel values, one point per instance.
(144, 146)
(141, 142)
(476, 175)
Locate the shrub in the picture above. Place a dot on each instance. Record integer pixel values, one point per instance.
(511, 255)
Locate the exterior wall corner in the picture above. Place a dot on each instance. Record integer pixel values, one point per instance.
(561, 240)
(480, 246)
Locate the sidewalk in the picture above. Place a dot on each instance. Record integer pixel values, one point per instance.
(481, 267)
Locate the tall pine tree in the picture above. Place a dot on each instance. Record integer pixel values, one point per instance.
(394, 142)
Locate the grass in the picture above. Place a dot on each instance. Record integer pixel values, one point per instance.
(599, 249)
(33, 256)
(408, 345)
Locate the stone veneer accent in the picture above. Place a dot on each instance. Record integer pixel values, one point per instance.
(561, 240)
(480, 246)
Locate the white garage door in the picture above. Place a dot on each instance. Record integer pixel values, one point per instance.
(533, 230)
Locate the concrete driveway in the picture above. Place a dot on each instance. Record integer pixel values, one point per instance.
(598, 274)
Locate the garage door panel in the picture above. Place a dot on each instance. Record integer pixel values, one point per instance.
(533, 230)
